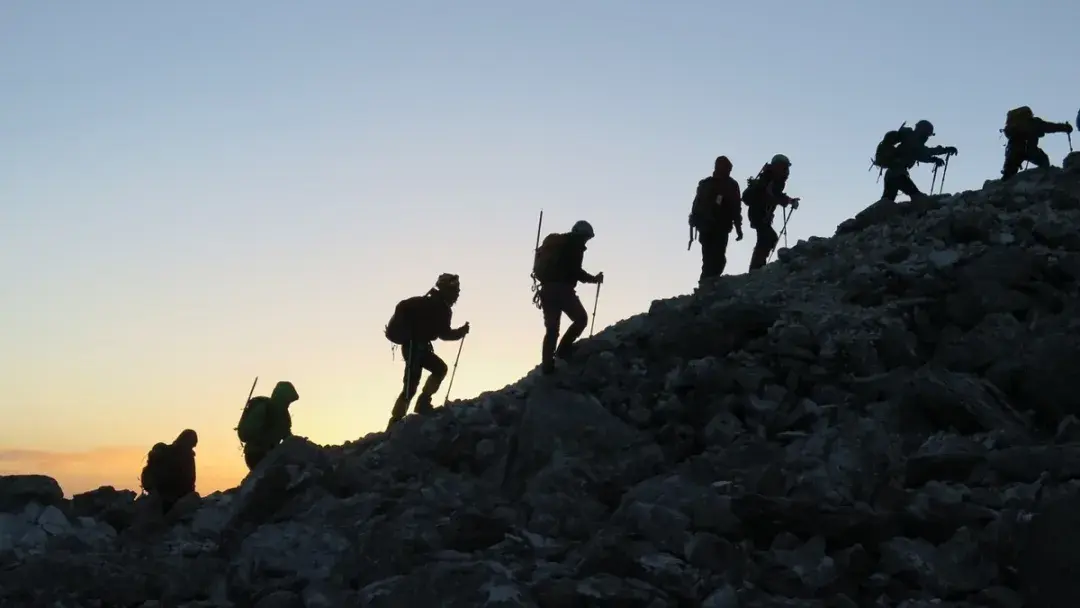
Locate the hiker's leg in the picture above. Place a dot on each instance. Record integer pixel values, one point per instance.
(579, 321)
(766, 240)
(908, 187)
(1014, 159)
(713, 255)
(552, 319)
(1037, 156)
(410, 379)
(434, 364)
(890, 189)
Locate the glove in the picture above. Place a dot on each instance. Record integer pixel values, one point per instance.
(794, 203)
(465, 329)
(599, 279)
(738, 233)
(1068, 128)
(951, 151)
(938, 162)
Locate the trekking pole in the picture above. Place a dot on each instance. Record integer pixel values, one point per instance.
(933, 182)
(252, 391)
(944, 172)
(535, 287)
(595, 301)
(783, 233)
(690, 243)
(453, 373)
(1069, 135)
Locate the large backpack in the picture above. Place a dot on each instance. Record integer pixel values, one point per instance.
(156, 468)
(885, 155)
(700, 214)
(545, 263)
(253, 420)
(1018, 121)
(407, 315)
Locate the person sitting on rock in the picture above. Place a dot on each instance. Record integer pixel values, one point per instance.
(169, 474)
(762, 195)
(557, 268)
(1022, 131)
(415, 324)
(716, 210)
(266, 422)
(908, 147)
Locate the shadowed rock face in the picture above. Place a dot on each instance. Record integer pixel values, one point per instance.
(882, 418)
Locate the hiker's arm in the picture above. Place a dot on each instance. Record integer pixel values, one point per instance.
(733, 201)
(927, 155)
(1053, 127)
(452, 335)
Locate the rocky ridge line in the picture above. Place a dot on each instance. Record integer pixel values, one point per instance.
(883, 418)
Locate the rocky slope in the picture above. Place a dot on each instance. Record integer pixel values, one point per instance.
(883, 418)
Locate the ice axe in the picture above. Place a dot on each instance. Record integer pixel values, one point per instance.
(453, 373)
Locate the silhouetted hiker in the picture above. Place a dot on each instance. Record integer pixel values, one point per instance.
(266, 422)
(1023, 130)
(416, 323)
(716, 210)
(169, 474)
(762, 195)
(897, 153)
(557, 267)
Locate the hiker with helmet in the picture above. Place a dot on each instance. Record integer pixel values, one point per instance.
(557, 267)
(716, 210)
(899, 151)
(1022, 131)
(415, 324)
(169, 474)
(762, 195)
(266, 422)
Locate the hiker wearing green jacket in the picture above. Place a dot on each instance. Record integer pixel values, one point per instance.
(266, 422)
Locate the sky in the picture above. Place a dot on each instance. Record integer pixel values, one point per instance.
(196, 193)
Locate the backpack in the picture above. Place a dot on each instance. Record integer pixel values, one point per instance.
(156, 468)
(403, 322)
(545, 263)
(1018, 121)
(753, 196)
(885, 155)
(253, 420)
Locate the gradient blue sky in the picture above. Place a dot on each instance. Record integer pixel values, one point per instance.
(195, 193)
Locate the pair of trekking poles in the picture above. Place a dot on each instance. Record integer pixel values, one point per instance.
(536, 286)
(783, 231)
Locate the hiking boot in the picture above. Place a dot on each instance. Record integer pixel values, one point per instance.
(401, 407)
(423, 404)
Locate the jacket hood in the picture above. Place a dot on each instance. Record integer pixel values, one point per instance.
(284, 392)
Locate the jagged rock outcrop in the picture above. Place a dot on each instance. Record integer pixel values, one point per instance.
(883, 418)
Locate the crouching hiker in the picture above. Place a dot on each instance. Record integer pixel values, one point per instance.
(762, 195)
(1023, 130)
(169, 474)
(557, 267)
(266, 422)
(415, 324)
